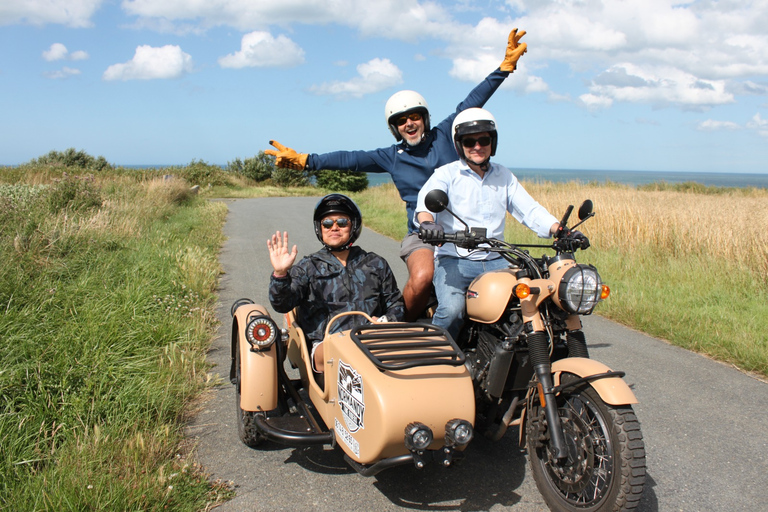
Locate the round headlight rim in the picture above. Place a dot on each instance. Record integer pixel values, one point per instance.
(567, 279)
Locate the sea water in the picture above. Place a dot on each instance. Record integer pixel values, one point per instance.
(716, 179)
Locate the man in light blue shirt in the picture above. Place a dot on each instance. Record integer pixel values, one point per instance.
(480, 193)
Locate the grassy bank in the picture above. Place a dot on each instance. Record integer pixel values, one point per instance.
(106, 310)
(685, 263)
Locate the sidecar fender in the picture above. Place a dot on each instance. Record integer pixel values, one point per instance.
(258, 369)
(613, 390)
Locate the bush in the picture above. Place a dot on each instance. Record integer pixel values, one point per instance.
(199, 172)
(290, 178)
(258, 168)
(73, 159)
(349, 181)
(74, 193)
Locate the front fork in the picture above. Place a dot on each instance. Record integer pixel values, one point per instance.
(539, 353)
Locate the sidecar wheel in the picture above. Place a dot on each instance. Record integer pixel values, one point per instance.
(605, 468)
(246, 427)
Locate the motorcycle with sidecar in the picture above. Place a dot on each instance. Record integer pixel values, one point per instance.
(408, 393)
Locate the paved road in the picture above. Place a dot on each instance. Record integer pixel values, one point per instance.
(704, 423)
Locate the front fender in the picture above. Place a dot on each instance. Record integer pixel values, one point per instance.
(258, 369)
(613, 390)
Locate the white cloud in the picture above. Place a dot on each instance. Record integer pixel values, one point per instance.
(710, 125)
(64, 72)
(261, 49)
(58, 51)
(72, 13)
(150, 63)
(759, 124)
(373, 76)
(401, 19)
(660, 86)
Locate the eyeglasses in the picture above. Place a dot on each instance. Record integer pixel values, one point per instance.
(469, 142)
(414, 116)
(328, 223)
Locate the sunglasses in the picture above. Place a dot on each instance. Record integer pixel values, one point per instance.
(328, 223)
(469, 142)
(415, 116)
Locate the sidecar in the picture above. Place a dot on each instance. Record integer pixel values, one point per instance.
(391, 393)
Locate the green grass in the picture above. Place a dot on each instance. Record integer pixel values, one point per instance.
(106, 311)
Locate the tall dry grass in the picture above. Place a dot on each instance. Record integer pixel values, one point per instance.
(673, 223)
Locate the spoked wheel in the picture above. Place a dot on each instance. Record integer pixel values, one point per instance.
(246, 427)
(605, 467)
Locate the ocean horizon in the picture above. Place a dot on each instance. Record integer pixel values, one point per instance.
(634, 178)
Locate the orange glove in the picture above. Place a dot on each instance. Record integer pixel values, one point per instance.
(514, 51)
(287, 157)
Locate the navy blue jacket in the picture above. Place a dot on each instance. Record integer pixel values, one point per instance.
(411, 166)
(321, 287)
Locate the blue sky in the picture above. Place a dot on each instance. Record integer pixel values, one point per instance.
(654, 85)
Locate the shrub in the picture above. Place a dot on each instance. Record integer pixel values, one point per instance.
(199, 172)
(290, 178)
(73, 159)
(350, 181)
(258, 168)
(74, 193)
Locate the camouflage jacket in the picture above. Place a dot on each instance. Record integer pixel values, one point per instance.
(321, 287)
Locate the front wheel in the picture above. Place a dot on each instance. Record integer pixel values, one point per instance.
(605, 467)
(246, 426)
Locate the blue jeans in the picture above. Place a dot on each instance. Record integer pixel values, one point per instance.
(452, 279)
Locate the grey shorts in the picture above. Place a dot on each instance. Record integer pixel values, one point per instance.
(411, 243)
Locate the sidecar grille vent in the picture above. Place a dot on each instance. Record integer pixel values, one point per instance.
(397, 346)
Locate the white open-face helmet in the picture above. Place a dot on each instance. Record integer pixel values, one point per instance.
(405, 102)
(474, 120)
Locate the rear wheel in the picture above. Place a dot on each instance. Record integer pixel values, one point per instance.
(246, 426)
(605, 467)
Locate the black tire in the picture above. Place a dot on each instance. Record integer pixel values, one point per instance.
(605, 469)
(246, 427)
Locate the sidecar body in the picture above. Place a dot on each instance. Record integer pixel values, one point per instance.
(390, 393)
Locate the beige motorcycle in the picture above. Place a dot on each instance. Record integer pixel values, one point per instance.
(407, 393)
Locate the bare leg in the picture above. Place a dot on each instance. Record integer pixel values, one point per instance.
(421, 268)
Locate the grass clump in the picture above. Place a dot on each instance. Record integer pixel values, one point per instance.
(107, 307)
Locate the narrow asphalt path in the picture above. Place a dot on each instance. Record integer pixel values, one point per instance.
(704, 423)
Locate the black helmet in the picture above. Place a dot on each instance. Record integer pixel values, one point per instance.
(338, 203)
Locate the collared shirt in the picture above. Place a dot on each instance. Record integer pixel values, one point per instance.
(483, 202)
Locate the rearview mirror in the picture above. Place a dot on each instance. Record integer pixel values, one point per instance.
(436, 201)
(585, 209)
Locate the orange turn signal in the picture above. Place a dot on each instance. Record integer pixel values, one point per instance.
(605, 292)
(522, 290)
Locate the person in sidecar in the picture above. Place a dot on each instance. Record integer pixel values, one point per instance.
(339, 277)
(480, 193)
(418, 151)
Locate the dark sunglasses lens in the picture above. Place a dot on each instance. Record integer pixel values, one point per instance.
(328, 223)
(469, 142)
(413, 117)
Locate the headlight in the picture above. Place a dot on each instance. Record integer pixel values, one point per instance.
(418, 436)
(458, 432)
(580, 289)
(261, 332)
